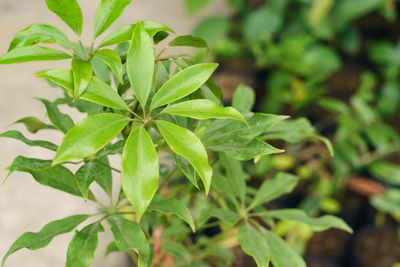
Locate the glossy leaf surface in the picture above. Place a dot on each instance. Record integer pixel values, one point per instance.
(140, 170)
(89, 136)
(38, 33)
(107, 12)
(33, 53)
(202, 109)
(186, 144)
(183, 83)
(140, 63)
(124, 33)
(112, 60)
(83, 72)
(69, 11)
(97, 92)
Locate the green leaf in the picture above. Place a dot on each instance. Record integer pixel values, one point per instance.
(244, 148)
(282, 255)
(101, 93)
(194, 6)
(33, 124)
(19, 136)
(83, 73)
(183, 83)
(243, 98)
(188, 40)
(32, 53)
(228, 217)
(69, 11)
(317, 224)
(140, 63)
(112, 247)
(83, 245)
(254, 244)
(172, 206)
(124, 33)
(62, 121)
(388, 172)
(97, 92)
(187, 169)
(128, 236)
(259, 123)
(89, 136)
(186, 144)
(283, 183)
(42, 238)
(38, 33)
(21, 162)
(85, 176)
(104, 175)
(202, 109)
(389, 202)
(113, 149)
(112, 59)
(291, 131)
(57, 177)
(140, 170)
(236, 177)
(107, 12)
(62, 77)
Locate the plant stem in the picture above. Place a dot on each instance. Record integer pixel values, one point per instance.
(106, 165)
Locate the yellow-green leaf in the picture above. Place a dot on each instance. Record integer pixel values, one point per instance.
(89, 136)
(183, 83)
(202, 109)
(107, 12)
(140, 170)
(112, 59)
(140, 63)
(186, 144)
(69, 11)
(32, 53)
(83, 73)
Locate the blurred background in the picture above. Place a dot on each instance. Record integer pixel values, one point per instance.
(333, 64)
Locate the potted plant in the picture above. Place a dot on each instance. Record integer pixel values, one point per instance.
(181, 150)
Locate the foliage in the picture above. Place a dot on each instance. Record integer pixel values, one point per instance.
(164, 116)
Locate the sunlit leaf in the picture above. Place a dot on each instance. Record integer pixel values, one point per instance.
(140, 170)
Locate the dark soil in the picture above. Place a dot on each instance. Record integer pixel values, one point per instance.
(377, 247)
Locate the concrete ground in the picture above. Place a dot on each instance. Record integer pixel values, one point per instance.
(24, 204)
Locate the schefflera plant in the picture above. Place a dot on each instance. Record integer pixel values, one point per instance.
(160, 104)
